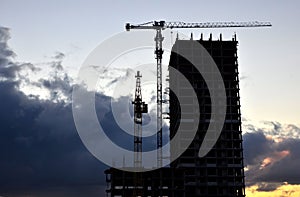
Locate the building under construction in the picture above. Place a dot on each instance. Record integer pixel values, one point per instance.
(221, 171)
(160, 182)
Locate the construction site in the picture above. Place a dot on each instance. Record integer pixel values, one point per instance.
(220, 173)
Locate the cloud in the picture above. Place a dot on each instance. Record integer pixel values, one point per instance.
(59, 55)
(4, 49)
(7, 68)
(274, 129)
(263, 186)
(256, 144)
(273, 189)
(272, 155)
(39, 145)
(58, 191)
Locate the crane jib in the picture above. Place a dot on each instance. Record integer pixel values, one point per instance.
(171, 25)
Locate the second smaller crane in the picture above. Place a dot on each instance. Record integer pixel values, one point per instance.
(139, 108)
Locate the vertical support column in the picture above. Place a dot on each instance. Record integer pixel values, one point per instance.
(138, 110)
(158, 51)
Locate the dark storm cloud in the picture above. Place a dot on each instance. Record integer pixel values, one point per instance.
(39, 145)
(67, 191)
(270, 161)
(286, 169)
(256, 146)
(40, 149)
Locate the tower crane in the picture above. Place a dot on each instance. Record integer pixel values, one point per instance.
(158, 26)
(139, 108)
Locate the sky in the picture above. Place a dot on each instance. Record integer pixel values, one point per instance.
(50, 40)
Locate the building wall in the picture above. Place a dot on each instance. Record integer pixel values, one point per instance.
(220, 172)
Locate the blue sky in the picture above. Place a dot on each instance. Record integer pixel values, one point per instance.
(57, 36)
(268, 57)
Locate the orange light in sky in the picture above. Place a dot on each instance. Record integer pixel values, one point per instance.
(274, 158)
(286, 190)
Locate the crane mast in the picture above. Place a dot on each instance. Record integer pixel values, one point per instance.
(139, 108)
(159, 52)
(161, 25)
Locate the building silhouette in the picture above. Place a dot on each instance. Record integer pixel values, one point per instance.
(221, 171)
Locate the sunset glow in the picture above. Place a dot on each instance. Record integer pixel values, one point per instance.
(286, 190)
